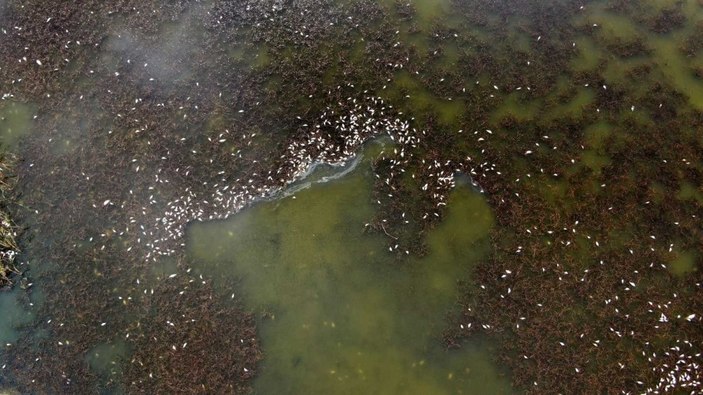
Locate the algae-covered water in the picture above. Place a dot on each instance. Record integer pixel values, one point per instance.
(337, 314)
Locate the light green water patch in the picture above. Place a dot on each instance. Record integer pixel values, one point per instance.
(419, 40)
(410, 35)
(15, 122)
(639, 117)
(617, 31)
(657, 192)
(575, 106)
(450, 56)
(340, 315)
(514, 106)
(659, 5)
(697, 63)
(683, 263)
(689, 191)
(516, 37)
(595, 161)
(426, 12)
(106, 359)
(693, 9)
(619, 71)
(580, 256)
(163, 268)
(331, 74)
(612, 26)
(670, 63)
(589, 55)
(422, 103)
(597, 134)
(449, 111)
(677, 69)
(74, 124)
(261, 59)
(555, 192)
(238, 53)
(13, 314)
(249, 54)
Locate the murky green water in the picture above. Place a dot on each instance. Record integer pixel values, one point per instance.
(338, 315)
(15, 122)
(14, 316)
(337, 312)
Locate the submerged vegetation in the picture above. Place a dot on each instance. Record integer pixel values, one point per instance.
(581, 123)
(8, 233)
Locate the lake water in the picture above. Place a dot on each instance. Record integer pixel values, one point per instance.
(337, 313)
(307, 197)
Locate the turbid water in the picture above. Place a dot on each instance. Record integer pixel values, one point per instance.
(577, 270)
(337, 315)
(15, 121)
(14, 316)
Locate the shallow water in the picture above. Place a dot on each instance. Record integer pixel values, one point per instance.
(15, 122)
(14, 315)
(337, 313)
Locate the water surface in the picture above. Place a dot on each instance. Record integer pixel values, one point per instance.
(338, 313)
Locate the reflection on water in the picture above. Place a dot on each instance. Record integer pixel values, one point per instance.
(337, 315)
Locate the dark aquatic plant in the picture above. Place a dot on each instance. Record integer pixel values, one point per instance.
(8, 231)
